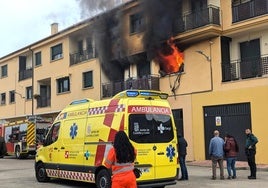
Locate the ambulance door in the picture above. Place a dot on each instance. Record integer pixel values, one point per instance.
(71, 150)
(165, 146)
(154, 138)
(51, 149)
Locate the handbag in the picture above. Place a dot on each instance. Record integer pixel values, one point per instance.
(137, 172)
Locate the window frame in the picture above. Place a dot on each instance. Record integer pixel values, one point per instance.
(136, 23)
(85, 85)
(29, 92)
(12, 98)
(61, 88)
(54, 55)
(3, 98)
(38, 59)
(4, 70)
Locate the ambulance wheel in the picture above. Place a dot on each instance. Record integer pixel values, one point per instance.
(103, 179)
(40, 173)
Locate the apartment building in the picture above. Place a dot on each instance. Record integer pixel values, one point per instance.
(210, 56)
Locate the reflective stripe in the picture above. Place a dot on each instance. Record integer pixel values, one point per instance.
(122, 164)
(108, 162)
(124, 169)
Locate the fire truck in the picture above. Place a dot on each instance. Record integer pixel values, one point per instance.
(23, 137)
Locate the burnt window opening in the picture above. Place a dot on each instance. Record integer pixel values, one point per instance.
(137, 23)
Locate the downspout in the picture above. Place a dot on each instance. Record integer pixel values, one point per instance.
(32, 81)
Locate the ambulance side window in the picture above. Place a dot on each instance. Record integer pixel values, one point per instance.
(53, 134)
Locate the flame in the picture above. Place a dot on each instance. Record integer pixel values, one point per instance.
(170, 57)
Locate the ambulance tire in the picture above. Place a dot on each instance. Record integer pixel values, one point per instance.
(103, 179)
(40, 173)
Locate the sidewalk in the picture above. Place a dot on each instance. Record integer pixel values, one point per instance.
(242, 165)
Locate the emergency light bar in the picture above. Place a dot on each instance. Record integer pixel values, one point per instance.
(79, 101)
(133, 93)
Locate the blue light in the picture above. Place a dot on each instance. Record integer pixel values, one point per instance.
(132, 93)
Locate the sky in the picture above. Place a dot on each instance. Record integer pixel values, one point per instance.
(24, 22)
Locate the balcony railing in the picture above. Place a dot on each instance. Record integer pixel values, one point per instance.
(24, 74)
(43, 101)
(79, 57)
(243, 69)
(148, 83)
(249, 9)
(207, 16)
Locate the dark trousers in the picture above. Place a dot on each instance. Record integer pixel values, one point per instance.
(184, 172)
(251, 162)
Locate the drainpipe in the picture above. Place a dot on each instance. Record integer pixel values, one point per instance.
(32, 81)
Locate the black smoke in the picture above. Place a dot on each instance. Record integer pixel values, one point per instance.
(162, 22)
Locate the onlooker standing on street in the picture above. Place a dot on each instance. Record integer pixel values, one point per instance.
(231, 150)
(216, 152)
(182, 144)
(250, 151)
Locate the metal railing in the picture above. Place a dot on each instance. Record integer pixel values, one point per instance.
(207, 16)
(246, 68)
(43, 101)
(147, 83)
(79, 57)
(249, 9)
(24, 74)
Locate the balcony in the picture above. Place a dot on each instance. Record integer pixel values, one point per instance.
(43, 101)
(244, 69)
(24, 74)
(148, 83)
(204, 17)
(249, 10)
(79, 57)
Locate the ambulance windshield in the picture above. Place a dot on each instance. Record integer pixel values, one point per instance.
(150, 128)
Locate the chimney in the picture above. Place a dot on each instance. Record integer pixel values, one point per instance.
(54, 28)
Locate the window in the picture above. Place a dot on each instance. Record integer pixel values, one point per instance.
(56, 52)
(3, 71)
(3, 98)
(150, 128)
(12, 96)
(80, 47)
(87, 79)
(53, 134)
(29, 92)
(136, 23)
(38, 59)
(63, 84)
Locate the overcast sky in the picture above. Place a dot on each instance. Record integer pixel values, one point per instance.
(24, 22)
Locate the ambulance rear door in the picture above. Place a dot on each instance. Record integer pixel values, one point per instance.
(152, 131)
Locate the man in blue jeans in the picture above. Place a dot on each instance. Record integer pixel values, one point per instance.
(216, 153)
(182, 147)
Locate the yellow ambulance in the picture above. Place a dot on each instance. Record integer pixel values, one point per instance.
(82, 134)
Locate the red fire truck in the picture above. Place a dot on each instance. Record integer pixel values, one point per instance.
(23, 137)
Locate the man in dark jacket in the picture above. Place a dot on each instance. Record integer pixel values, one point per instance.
(250, 150)
(3, 149)
(182, 145)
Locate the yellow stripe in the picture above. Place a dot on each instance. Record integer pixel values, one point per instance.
(30, 134)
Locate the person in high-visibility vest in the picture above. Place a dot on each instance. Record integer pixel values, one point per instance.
(121, 159)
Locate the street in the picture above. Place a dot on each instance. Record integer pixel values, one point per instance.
(20, 173)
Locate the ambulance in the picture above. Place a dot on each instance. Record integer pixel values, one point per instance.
(82, 134)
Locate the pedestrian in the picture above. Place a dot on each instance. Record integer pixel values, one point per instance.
(250, 151)
(217, 154)
(121, 159)
(3, 149)
(182, 147)
(231, 150)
